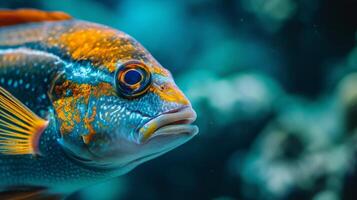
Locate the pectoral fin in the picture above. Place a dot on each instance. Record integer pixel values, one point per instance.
(20, 128)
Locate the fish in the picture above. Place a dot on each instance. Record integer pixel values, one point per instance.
(80, 103)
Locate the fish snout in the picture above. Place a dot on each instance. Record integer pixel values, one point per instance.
(176, 121)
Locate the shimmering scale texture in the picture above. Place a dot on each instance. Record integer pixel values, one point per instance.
(27, 74)
(65, 72)
(81, 41)
(78, 41)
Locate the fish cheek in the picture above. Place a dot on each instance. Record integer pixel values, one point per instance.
(70, 106)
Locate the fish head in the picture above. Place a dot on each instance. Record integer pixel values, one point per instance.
(148, 117)
(122, 116)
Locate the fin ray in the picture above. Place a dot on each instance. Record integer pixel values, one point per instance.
(10, 118)
(20, 128)
(5, 103)
(21, 108)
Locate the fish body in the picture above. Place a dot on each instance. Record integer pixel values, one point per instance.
(103, 104)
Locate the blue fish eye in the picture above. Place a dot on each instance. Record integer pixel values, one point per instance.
(132, 77)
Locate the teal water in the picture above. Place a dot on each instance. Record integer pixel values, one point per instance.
(274, 87)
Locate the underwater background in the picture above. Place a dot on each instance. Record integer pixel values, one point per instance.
(274, 84)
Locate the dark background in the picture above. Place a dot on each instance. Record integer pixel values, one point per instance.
(273, 82)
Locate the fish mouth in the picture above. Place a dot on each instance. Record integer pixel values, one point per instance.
(173, 122)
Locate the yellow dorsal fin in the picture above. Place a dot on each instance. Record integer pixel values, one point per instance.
(20, 128)
(22, 16)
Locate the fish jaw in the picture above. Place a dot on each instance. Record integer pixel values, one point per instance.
(164, 133)
(156, 137)
(176, 121)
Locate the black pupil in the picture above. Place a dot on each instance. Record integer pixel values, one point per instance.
(132, 77)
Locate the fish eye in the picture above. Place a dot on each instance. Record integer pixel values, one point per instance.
(132, 76)
(132, 79)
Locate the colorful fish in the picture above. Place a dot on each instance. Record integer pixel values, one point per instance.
(79, 103)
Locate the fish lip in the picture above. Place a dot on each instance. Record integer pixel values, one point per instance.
(175, 121)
